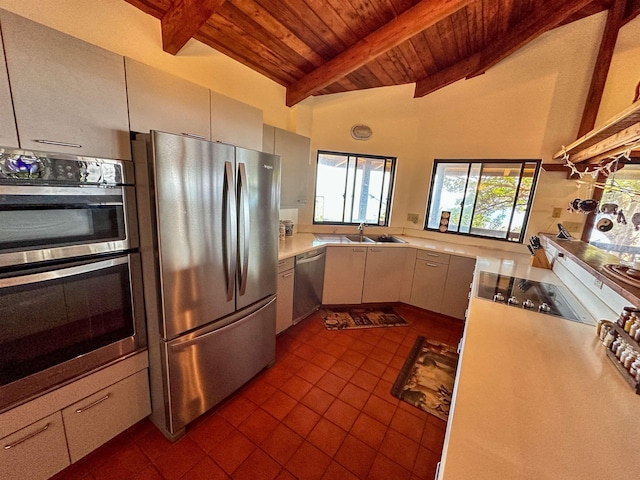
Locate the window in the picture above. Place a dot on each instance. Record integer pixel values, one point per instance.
(483, 198)
(353, 188)
(616, 228)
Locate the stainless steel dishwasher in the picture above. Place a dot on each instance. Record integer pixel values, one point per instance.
(307, 287)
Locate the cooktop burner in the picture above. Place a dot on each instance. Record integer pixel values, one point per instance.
(522, 293)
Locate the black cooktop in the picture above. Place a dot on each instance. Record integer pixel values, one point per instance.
(517, 292)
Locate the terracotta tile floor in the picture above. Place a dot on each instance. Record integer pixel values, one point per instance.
(324, 411)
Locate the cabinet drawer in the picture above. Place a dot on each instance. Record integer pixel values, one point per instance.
(286, 264)
(96, 419)
(34, 452)
(433, 256)
(284, 302)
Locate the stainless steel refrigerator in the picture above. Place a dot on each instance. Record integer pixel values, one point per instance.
(209, 244)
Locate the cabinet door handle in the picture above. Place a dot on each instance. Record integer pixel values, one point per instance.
(287, 275)
(59, 144)
(432, 254)
(27, 437)
(193, 135)
(375, 250)
(359, 250)
(93, 404)
(428, 264)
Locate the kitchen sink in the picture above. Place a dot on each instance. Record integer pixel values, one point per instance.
(358, 238)
(387, 239)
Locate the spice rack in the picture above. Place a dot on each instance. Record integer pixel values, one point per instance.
(623, 371)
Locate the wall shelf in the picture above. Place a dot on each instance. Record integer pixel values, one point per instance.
(615, 136)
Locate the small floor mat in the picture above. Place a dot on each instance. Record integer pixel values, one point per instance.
(345, 318)
(427, 376)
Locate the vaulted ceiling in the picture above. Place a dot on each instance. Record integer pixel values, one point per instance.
(319, 47)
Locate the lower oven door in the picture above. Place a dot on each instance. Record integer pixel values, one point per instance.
(65, 320)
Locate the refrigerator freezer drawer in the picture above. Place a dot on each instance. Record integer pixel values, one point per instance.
(206, 368)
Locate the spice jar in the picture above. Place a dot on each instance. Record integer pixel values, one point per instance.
(609, 337)
(625, 354)
(635, 366)
(629, 322)
(615, 344)
(621, 347)
(634, 328)
(606, 328)
(630, 358)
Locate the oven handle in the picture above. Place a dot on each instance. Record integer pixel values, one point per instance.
(90, 190)
(61, 273)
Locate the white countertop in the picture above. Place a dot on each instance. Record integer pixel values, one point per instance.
(535, 395)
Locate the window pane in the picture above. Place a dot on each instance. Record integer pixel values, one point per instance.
(470, 198)
(330, 184)
(449, 187)
(496, 195)
(619, 206)
(487, 199)
(353, 188)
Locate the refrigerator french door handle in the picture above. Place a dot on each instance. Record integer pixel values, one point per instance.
(246, 230)
(230, 223)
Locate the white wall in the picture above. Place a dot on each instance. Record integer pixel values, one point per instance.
(525, 107)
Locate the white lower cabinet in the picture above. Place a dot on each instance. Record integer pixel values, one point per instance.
(284, 302)
(384, 274)
(429, 277)
(36, 451)
(458, 286)
(343, 275)
(96, 419)
(43, 436)
(441, 283)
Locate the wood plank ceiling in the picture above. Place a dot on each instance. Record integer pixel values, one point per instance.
(320, 47)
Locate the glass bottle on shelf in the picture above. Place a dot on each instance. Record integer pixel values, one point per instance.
(621, 347)
(634, 328)
(609, 337)
(615, 344)
(629, 322)
(630, 358)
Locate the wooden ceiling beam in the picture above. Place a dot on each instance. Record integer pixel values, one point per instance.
(533, 26)
(633, 10)
(615, 17)
(402, 28)
(183, 20)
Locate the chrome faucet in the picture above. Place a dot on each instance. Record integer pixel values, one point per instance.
(361, 231)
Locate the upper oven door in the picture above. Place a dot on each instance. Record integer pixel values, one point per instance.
(52, 222)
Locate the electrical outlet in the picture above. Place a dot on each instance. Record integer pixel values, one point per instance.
(557, 211)
(597, 283)
(412, 217)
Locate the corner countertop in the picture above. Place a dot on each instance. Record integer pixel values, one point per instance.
(535, 396)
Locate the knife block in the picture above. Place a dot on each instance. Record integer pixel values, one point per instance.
(539, 259)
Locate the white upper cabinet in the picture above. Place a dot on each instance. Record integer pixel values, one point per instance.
(68, 96)
(8, 132)
(161, 101)
(235, 122)
(294, 151)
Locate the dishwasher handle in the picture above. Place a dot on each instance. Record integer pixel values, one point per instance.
(314, 258)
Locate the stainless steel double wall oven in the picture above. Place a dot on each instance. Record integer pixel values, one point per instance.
(70, 276)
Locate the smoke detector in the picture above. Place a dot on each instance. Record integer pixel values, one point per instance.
(361, 132)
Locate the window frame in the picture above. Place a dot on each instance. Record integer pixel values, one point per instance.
(392, 173)
(483, 162)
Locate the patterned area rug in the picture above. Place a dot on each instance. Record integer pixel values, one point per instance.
(344, 318)
(427, 376)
